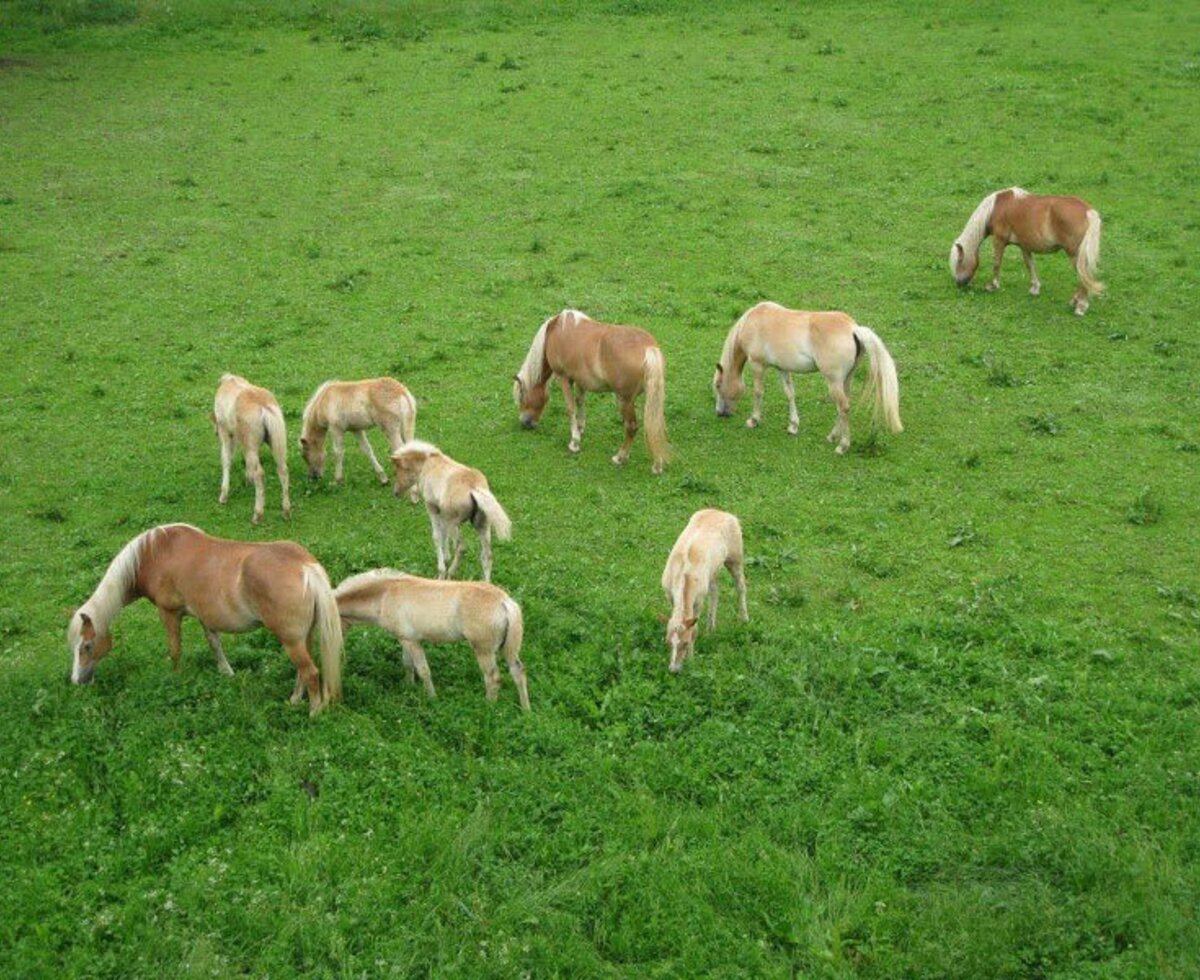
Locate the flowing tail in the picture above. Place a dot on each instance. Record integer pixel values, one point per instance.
(494, 513)
(882, 385)
(328, 622)
(1089, 255)
(408, 417)
(656, 420)
(513, 638)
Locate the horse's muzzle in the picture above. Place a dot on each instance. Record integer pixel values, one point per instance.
(86, 675)
(724, 412)
(528, 422)
(963, 281)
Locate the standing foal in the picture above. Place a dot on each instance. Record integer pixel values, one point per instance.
(712, 538)
(338, 407)
(454, 495)
(249, 415)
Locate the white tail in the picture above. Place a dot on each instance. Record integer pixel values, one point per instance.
(883, 387)
(328, 622)
(494, 513)
(514, 636)
(655, 380)
(276, 432)
(1089, 255)
(408, 418)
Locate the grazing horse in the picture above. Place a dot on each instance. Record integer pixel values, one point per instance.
(1033, 223)
(250, 416)
(421, 610)
(454, 495)
(338, 407)
(587, 355)
(795, 340)
(231, 587)
(711, 539)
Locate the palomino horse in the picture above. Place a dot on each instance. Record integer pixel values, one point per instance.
(454, 495)
(249, 415)
(594, 356)
(338, 407)
(1034, 224)
(421, 610)
(231, 587)
(794, 340)
(711, 539)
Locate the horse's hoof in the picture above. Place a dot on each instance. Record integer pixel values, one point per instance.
(1035, 290)
(287, 514)
(991, 287)
(751, 423)
(657, 469)
(618, 460)
(256, 519)
(841, 450)
(793, 430)
(222, 500)
(573, 447)
(383, 480)
(1080, 310)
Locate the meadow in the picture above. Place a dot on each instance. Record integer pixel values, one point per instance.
(960, 735)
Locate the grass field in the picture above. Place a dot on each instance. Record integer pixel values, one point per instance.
(959, 736)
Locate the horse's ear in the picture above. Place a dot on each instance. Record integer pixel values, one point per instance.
(691, 622)
(958, 245)
(88, 631)
(662, 618)
(720, 370)
(303, 442)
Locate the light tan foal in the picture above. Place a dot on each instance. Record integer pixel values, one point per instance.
(420, 610)
(711, 540)
(338, 407)
(248, 416)
(454, 495)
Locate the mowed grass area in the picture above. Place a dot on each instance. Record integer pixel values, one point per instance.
(959, 736)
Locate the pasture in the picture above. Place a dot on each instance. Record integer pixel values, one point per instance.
(959, 735)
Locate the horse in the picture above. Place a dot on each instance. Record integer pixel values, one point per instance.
(454, 495)
(231, 587)
(587, 355)
(421, 610)
(800, 341)
(712, 539)
(338, 407)
(1034, 223)
(250, 415)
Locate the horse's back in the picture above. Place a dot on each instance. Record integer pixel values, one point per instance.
(599, 355)
(1042, 222)
(796, 340)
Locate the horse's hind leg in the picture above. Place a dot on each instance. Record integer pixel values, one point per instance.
(629, 418)
(415, 654)
(486, 655)
(307, 676)
(298, 690)
(365, 443)
(840, 394)
(339, 453)
(1080, 300)
(758, 370)
(789, 389)
(736, 569)
(714, 593)
(1035, 284)
(214, 641)
(455, 540)
(254, 473)
(998, 248)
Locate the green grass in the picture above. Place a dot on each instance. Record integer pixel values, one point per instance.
(959, 735)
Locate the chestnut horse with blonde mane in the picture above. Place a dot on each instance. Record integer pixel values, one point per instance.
(800, 341)
(231, 587)
(338, 407)
(587, 355)
(1034, 223)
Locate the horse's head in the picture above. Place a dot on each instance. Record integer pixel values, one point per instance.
(409, 460)
(87, 647)
(681, 637)
(728, 388)
(962, 265)
(313, 451)
(531, 400)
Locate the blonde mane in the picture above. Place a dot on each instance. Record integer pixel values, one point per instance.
(362, 579)
(975, 229)
(316, 397)
(112, 594)
(417, 446)
(530, 372)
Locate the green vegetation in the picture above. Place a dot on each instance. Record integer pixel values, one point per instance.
(959, 736)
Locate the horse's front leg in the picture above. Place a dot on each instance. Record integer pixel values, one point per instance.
(339, 453)
(629, 418)
(172, 620)
(414, 653)
(789, 389)
(1035, 284)
(569, 398)
(365, 443)
(758, 371)
(998, 248)
(439, 542)
(714, 593)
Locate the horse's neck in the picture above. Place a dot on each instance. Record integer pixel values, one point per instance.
(366, 607)
(687, 591)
